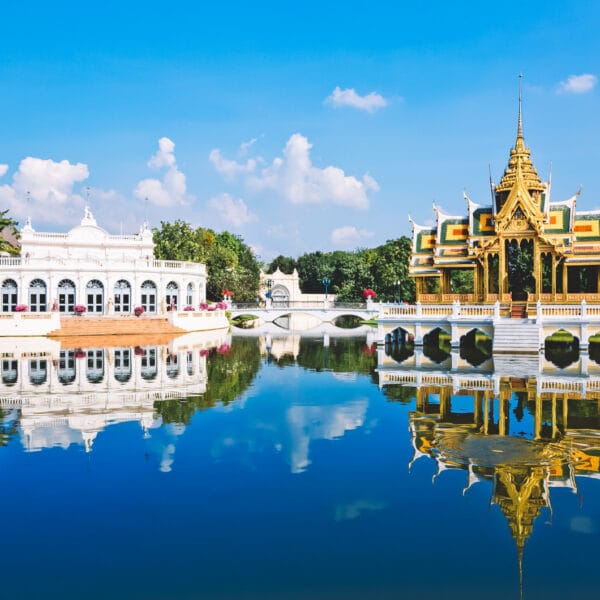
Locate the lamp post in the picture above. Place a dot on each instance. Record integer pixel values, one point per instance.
(326, 281)
(398, 283)
(269, 283)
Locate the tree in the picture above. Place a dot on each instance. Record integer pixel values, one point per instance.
(230, 263)
(286, 264)
(8, 233)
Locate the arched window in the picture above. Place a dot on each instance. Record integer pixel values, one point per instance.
(123, 364)
(189, 297)
(149, 296)
(66, 296)
(172, 297)
(122, 293)
(10, 371)
(149, 367)
(95, 296)
(172, 366)
(38, 371)
(37, 296)
(67, 370)
(9, 295)
(95, 365)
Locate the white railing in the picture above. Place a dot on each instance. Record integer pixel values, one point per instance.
(456, 310)
(113, 261)
(10, 261)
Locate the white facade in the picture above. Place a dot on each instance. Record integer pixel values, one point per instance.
(107, 274)
(285, 290)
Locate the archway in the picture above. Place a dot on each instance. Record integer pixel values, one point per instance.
(280, 297)
(436, 345)
(399, 345)
(519, 264)
(475, 347)
(561, 348)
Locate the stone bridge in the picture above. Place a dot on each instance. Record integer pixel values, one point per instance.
(321, 312)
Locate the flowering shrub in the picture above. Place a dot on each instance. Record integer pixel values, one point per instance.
(369, 350)
(139, 351)
(369, 294)
(222, 305)
(203, 305)
(212, 307)
(204, 352)
(139, 310)
(79, 353)
(188, 308)
(21, 308)
(227, 293)
(79, 309)
(223, 349)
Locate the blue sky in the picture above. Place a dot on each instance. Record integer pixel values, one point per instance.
(226, 114)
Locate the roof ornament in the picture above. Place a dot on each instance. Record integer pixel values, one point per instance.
(520, 121)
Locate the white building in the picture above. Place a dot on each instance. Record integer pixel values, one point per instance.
(105, 273)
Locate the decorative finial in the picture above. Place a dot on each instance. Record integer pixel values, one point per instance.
(520, 124)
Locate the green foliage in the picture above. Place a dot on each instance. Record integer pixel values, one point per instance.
(520, 266)
(461, 281)
(286, 264)
(228, 376)
(230, 263)
(350, 273)
(8, 226)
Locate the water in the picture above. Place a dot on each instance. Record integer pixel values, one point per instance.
(279, 468)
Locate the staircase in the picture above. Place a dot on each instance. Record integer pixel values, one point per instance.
(518, 310)
(93, 326)
(516, 336)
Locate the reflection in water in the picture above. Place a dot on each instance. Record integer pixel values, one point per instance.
(67, 396)
(255, 441)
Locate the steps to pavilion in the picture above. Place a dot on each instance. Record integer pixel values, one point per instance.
(106, 326)
(518, 310)
(516, 336)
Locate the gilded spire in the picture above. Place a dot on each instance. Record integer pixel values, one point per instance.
(520, 122)
(520, 166)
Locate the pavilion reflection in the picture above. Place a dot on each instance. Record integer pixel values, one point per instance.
(470, 430)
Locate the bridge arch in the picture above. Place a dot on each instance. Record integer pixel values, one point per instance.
(561, 348)
(476, 346)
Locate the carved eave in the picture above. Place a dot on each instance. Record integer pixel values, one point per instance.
(519, 213)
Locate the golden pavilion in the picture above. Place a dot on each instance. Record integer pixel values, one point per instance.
(522, 247)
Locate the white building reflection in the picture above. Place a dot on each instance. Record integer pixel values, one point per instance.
(67, 396)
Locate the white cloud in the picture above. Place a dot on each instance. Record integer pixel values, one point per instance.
(49, 187)
(245, 145)
(578, 84)
(234, 212)
(348, 97)
(349, 236)
(171, 190)
(165, 156)
(230, 169)
(294, 178)
(3, 170)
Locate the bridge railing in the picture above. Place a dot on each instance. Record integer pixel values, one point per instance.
(310, 305)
